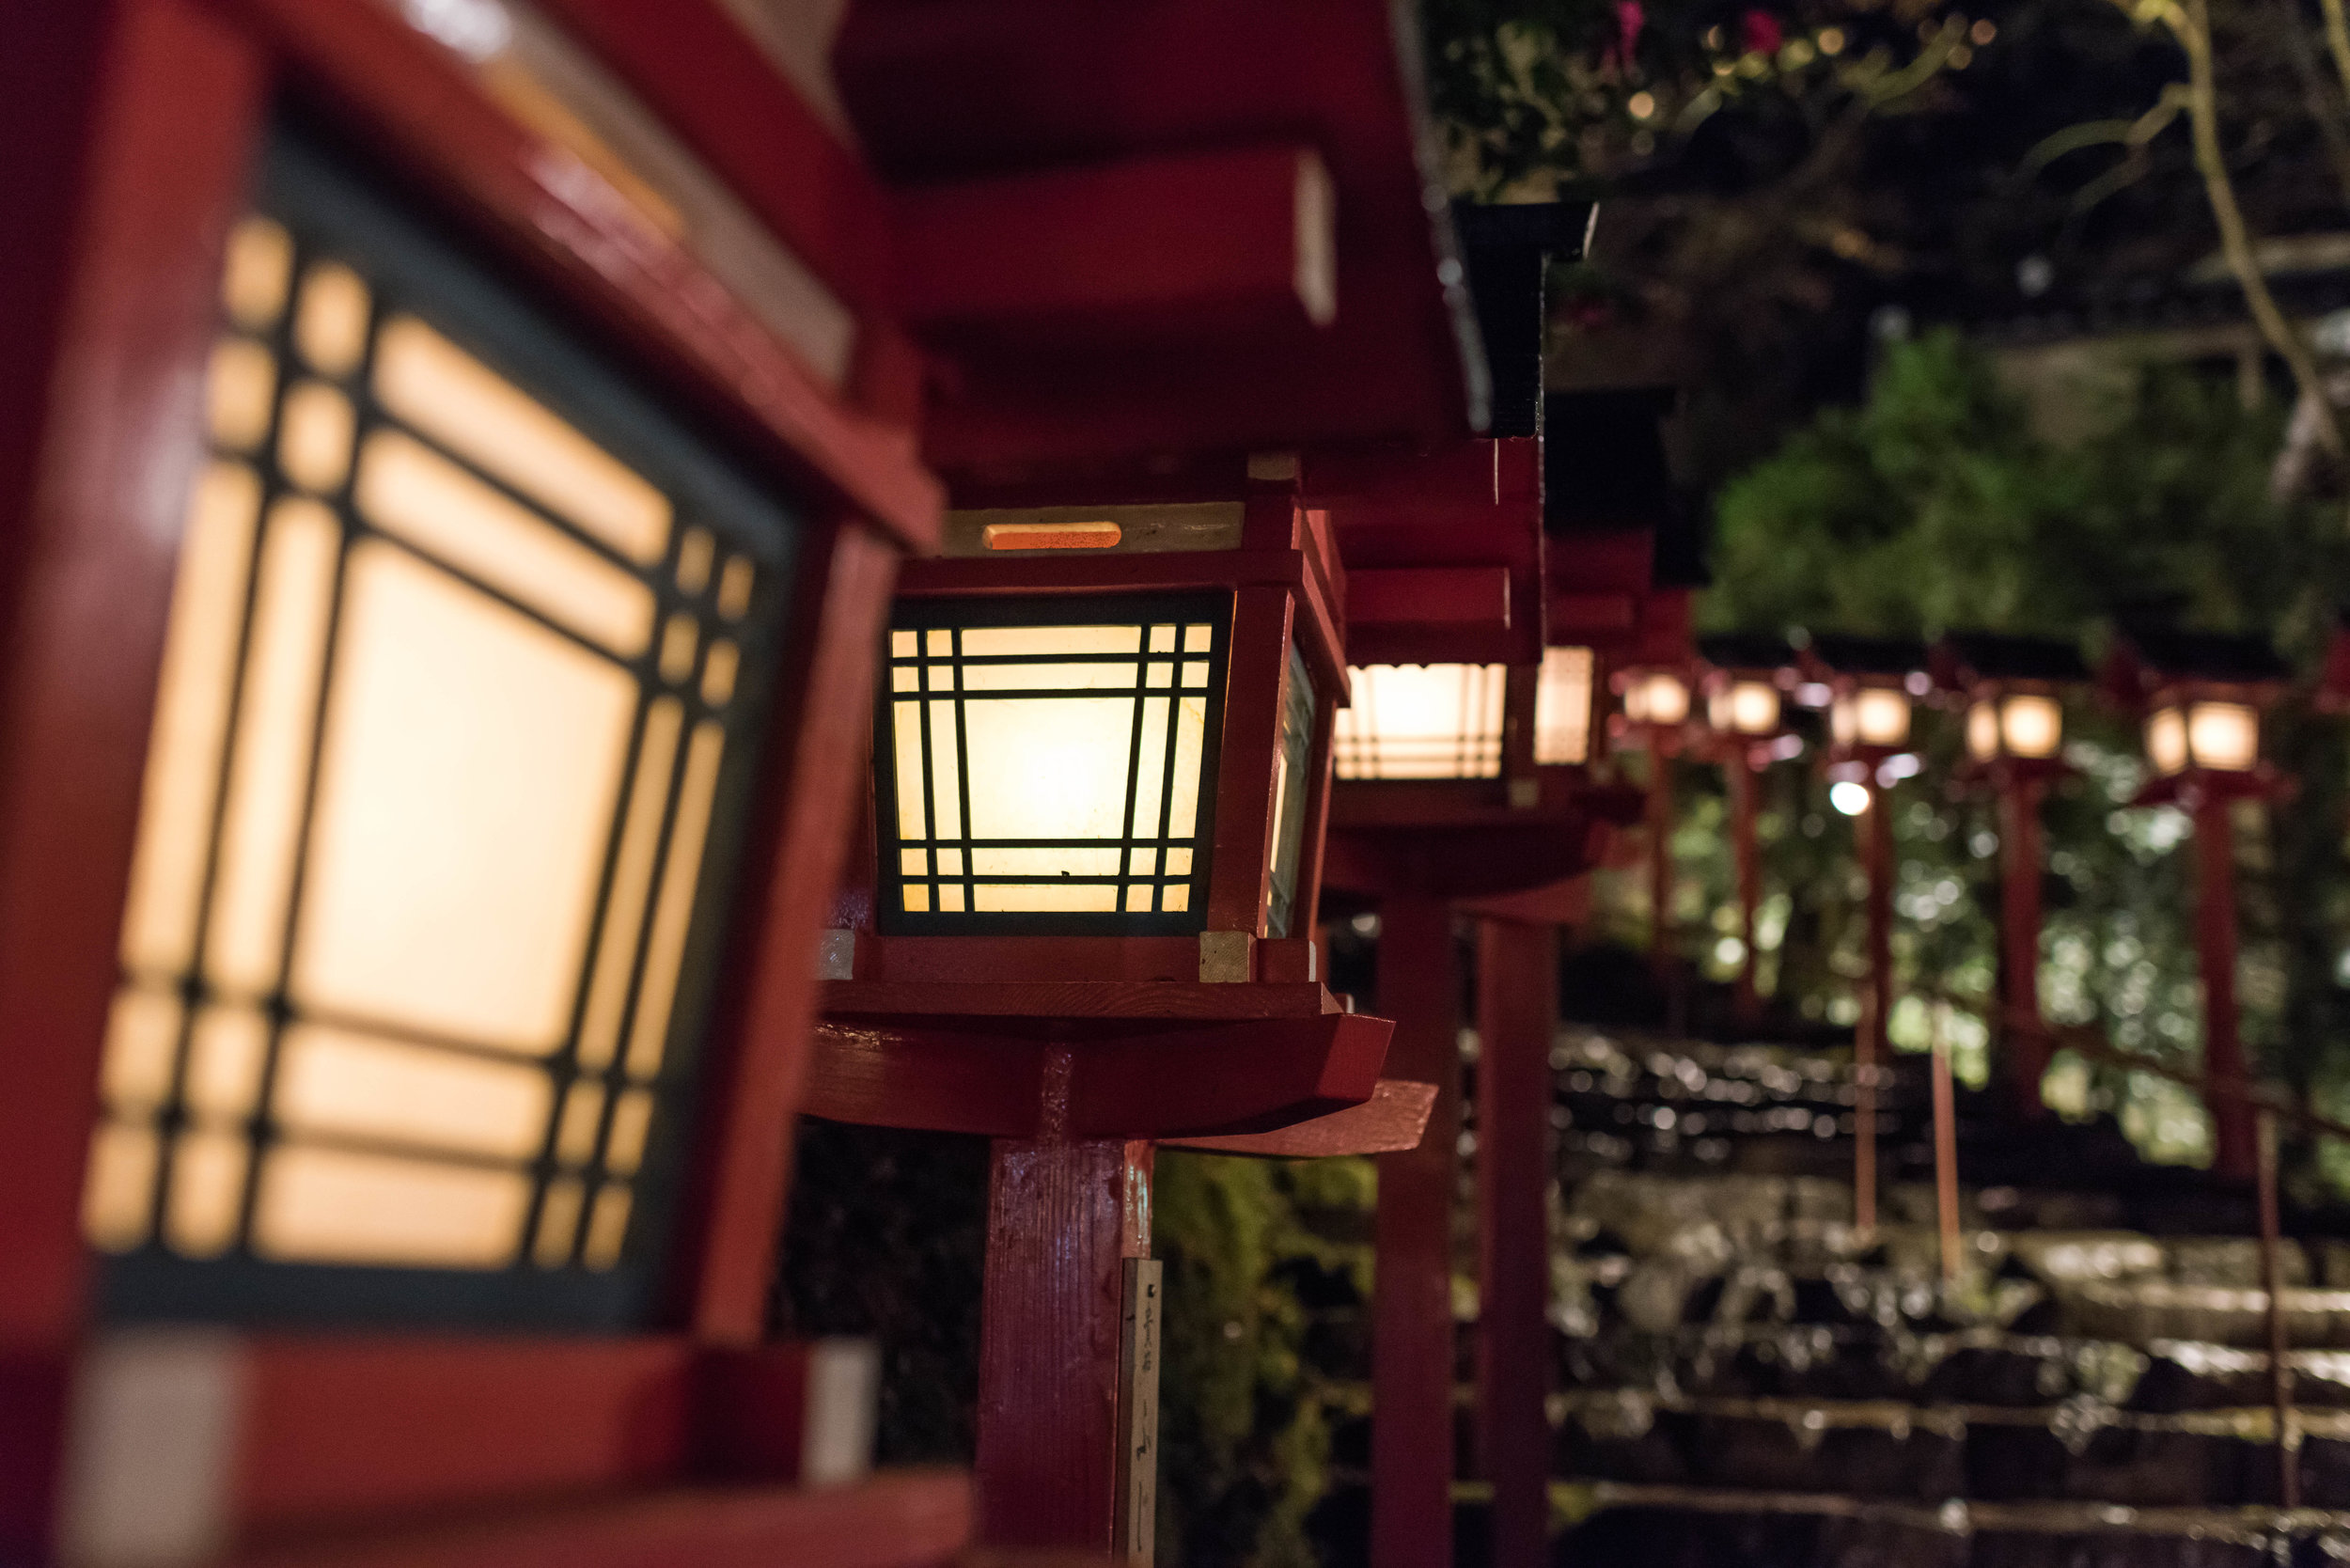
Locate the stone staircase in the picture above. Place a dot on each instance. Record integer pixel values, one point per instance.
(1743, 1377)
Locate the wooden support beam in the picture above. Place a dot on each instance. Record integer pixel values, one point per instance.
(1156, 245)
(2023, 1042)
(2233, 1155)
(1062, 1218)
(1169, 1081)
(1390, 1121)
(1517, 982)
(1411, 1427)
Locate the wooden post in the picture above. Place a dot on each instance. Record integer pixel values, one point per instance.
(1747, 1002)
(1945, 1152)
(2024, 1044)
(2272, 1281)
(1063, 1217)
(1660, 861)
(1517, 984)
(2234, 1156)
(1876, 1002)
(1412, 1338)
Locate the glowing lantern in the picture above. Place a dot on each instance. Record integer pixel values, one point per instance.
(2222, 737)
(1562, 707)
(1423, 721)
(1656, 698)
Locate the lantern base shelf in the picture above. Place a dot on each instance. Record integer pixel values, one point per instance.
(1389, 1122)
(1455, 841)
(1091, 1060)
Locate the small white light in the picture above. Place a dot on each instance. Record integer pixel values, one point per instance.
(2032, 725)
(1813, 694)
(1848, 798)
(1983, 732)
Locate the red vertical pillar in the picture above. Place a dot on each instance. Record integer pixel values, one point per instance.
(2025, 1042)
(1876, 1002)
(1062, 1218)
(1411, 1423)
(1517, 984)
(1746, 1000)
(1660, 860)
(2233, 1154)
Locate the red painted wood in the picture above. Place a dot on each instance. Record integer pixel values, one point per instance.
(1875, 828)
(1746, 1000)
(1232, 1077)
(2235, 1152)
(347, 1431)
(759, 1043)
(1061, 1218)
(420, 108)
(699, 71)
(1390, 1121)
(1073, 1004)
(1136, 248)
(108, 308)
(1663, 957)
(903, 1519)
(1306, 909)
(1452, 599)
(2025, 1043)
(1412, 1333)
(1256, 684)
(1517, 982)
(933, 960)
(1464, 840)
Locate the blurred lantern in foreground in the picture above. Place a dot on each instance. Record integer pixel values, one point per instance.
(1563, 697)
(2201, 697)
(2011, 690)
(1658, 696)
(1743, 680)
(1872, 684)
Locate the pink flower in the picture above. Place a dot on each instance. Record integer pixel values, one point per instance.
(1760, 32)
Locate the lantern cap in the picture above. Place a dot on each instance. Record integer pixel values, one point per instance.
(1508, 249)
(1835, 654)
(2146, 661)
(1963, 660)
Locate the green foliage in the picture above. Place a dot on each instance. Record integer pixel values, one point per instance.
(1244, 1440)
(1934, 506)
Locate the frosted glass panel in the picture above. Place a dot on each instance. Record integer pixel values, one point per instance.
(1562, 707)
(1043, 754)
(442, 742)
(1422, 721)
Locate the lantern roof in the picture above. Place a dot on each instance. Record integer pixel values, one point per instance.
(1962, 660)
(2146, 660)
(1837, 653)
(1510, 248)
(1162, 228)
(1747, 650)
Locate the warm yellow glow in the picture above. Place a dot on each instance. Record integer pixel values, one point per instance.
(436, 388)
(226, 1052)
(260, 264)
(608, 1227)
(1047, 760)
(1562, 707)
(142, 1032)
(207, 1191)
(632, 885)
(239, 393)
(1870, 715)
(1050, 536)
(1744, 708)
(1421, 721)
(1657, 696)
(331, 321)
(409, 491)
(122, 1186)
(191, 721)
(314, 436)
(466, 784)
(665, 949)
(340, 1083)
(2031, 725)
(1982, 730)
(2166, 741)
(2225, 736)
(328, 1205)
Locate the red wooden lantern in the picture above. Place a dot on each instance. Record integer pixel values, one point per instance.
(2201, 697)
(2011, 690)
(1746, 680)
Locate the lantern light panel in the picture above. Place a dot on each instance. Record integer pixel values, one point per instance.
(1421, 721)
(1562, 707)
(1870, 715)
(447, 728)
(1656, 698)
(2220, 736)
(1049, 764)
(1744, 707)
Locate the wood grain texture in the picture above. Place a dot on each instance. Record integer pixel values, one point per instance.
(901, 1520)
(1058, 1228)
(1517, 984)
(1390, 1121)
(1412, 1333)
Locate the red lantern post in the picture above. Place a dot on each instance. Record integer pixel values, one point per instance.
(1744, 683)
(2202, 697)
